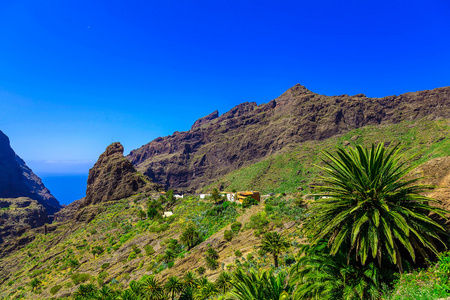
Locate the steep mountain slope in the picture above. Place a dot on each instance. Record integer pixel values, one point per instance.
(18, 180)
(216, 146)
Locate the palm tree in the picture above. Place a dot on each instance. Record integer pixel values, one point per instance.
(152, 288)
(223, 282)
(275, 244)
(190, 236)
(260, 286)
(85, 291)
(106, 293)
(319, 275)
(190, 279)
(205, 290)
(370, 208)
(173, 286)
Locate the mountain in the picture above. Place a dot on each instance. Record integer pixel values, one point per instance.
(248, 133)
(18, 180)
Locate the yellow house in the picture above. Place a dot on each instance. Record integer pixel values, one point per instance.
(242, 195)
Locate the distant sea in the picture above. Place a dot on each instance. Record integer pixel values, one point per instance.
(66, 188)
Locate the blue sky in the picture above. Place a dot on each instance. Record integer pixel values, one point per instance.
(76, 76)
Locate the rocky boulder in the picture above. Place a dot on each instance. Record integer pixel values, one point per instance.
(113, 177)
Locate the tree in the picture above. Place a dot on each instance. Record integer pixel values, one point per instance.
(275, 244)
(152, 288)
(173, 286)
(319, 275)
(263, 285)
(189, 279)
(154, 209)
(190, 236)
(372, 210)
(223, 282)
(215, 195)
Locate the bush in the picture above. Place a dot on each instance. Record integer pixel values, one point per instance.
(249, 256)
(132, 256)
(200, 270)
(258, 221)
(228, 235)
(136, 249)
(105, 266)
(78, 278)
(236, 226)
(170, 264)
(211, 263)
(149, 250)
(249, 201)
(55, 289)
(238, 253)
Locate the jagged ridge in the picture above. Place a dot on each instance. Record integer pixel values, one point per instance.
(249, 132)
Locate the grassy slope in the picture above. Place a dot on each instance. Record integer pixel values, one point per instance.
(293, 169)
(52, 259)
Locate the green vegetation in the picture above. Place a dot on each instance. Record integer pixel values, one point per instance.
(294, 169)
(324, 251)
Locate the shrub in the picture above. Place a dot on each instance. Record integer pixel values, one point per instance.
(78, 278)
(249, 256)
(136, 249)
(132, 256)
(170, 264)
(238, 253)
(149, 250)
(55, 289)
(228, 235)
(211, 263)
(258, 221)
(105, 266)
(249, 201)
(200, 270)
(236, 226)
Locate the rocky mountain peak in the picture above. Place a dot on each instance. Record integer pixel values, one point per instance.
(113, 177)
(205, 119)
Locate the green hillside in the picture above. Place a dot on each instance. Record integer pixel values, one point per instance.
(293, 170)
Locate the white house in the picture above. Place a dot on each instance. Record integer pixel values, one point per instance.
(167, 214)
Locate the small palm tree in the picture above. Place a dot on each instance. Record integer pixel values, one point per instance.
(173, 286)
(206, 290)
(223, 282)
(260, 286)
(275, 244)
(190, 279)
(85, 291)
(319, 275)
(190, 236)
(369, 208)
(152, 288)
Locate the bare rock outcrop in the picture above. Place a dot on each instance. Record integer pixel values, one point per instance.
(113, 177)
(205, 120)
(18, 215)
(18, 180)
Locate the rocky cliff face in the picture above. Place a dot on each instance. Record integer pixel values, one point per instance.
(18, 180)
(113, 177)
(205, 120)
(249, 132)
(18, 215)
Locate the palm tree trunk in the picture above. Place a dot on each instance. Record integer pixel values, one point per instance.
(275, 259)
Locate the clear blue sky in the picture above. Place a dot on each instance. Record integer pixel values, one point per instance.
(78, 75)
